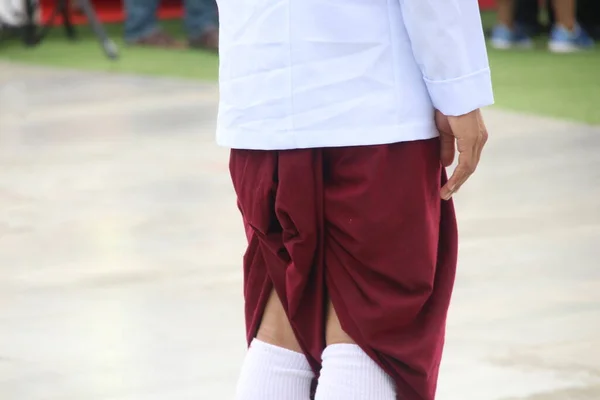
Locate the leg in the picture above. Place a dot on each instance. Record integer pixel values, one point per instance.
(275, 327)
(274, 368)
(200, 16)
(527, 16)
(201, 23)
(140, 19)
(507, 33)
(334, 334)
(566, 35)
(564, 12)
(390, 258)
(348, 373)
(506, 12)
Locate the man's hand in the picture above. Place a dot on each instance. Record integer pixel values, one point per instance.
(470, 135)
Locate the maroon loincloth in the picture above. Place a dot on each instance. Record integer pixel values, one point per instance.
(364, 226)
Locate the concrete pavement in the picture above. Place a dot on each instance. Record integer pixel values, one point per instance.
(120, 249)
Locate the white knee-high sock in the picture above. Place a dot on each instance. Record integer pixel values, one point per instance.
(348, 373)
(274, 373)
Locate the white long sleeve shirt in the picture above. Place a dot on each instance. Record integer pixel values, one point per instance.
(328, 73)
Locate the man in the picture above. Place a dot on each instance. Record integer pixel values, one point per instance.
(200, 20)
(589, 15)
(527, 15)
(328, 107)
(566, 35)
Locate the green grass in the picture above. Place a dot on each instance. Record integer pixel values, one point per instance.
(86, 54)
(559, 85)
(564, 86)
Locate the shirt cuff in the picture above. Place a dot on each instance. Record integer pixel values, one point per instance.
(462, 95)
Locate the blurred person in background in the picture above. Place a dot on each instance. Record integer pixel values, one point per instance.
(200, 21)
(589, 16)
(528, 16)
(566, 35)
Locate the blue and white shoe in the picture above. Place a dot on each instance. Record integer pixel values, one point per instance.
(505, 38)
(563, 40)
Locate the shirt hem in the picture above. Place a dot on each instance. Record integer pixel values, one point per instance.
(268, 140)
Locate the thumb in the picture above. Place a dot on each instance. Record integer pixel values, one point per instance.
(447, 140)
(442, 123)
(447, 149)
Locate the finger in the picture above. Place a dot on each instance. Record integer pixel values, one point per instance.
(482, 141)
(459, 176)
(447, 149)
(466, 167)
(441, 122)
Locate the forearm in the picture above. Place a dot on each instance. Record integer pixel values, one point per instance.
(449, 46)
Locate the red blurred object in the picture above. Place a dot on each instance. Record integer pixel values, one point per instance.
(112, 10)
(487, 4)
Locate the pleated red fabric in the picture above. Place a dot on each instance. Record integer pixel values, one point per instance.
(365, 227)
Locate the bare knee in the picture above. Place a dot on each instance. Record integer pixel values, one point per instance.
(275, 327)
(334, 334)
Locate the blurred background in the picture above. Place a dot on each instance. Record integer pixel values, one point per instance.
(120, 241)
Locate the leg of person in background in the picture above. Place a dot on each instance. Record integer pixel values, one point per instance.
(527, 15)
(551, 14)
(507, 34)
(506, 12)
(588, 15)
(141, 25)
(565, 11)
(75, 7)
(202, 24)
(566, 35)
